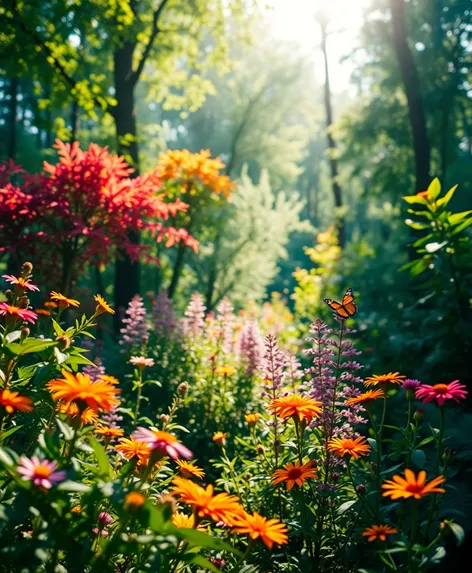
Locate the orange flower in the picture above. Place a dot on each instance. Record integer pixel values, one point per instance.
(102, 305)
(81, 390)
(220, 438)
(189, 470)
(294, 474)
(109, 432)
(225, 370)
(270, 531)
(379, 532)
(134, 500)
(366, 398)
(42, 312)
(412, 486)
(12, 401)
(390, 378)
(87, 416)
(62, 300)
(252, 418)
(352, 447)
(51, 304)
(220, 507)
(134, 450)
(297, 407)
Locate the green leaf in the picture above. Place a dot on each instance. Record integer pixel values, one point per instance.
(5, 458)
(416, 226)
(426, 441)
(73, 486)
(10, 432)
(415, 199)
(200, 539)
(462, 226)
(418, 457)
(66, 430)
(434, 189)
(12, 336)
(456, 218)
(447, 197)
(29, 345)
(458, 532)
(345, 506)
(101, 455)
(57, 328)
(200, 561)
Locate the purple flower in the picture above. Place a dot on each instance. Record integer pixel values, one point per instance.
(226, 320)
(135, 332)
(40, 472)
(250, 347)
(194, 322)
(164, 319)
(411, 384)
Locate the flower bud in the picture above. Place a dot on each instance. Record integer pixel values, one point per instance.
(8, 294)
(164, 418)
(25, 332)
(448, 455)
(26, 269)
(361, 489)
(418, 416)
(63, 342)
(182, 389)
(260, 449)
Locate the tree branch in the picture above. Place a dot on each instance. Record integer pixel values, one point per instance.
(152, 36)
(49, 53)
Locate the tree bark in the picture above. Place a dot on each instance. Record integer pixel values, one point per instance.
(411, 83)
(13, 111)
(127, 272)
(333, 163)
(75, 118)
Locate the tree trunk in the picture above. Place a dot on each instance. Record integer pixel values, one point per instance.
(213, 273)
(127, 272)
(179, 261)
(333, 163)
(411, 83)
(12, 117)
(48, 117)
(75, 118)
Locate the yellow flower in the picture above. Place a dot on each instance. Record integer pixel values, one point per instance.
(62, 300)
(183, 521)
(252, 418)
(225, 370)
(102, 305)
(189, 470)
(412, 486)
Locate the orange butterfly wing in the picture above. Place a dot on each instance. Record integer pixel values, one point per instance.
(345, 309)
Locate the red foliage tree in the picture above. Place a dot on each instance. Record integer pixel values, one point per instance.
(82, 209)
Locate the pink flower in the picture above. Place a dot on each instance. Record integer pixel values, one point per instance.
(104, 518)
(162, 443)
(21, 282)
(102, 532)
(410, 384)
(141, 361)
(23, 313)
(441, 392)
(40, 472)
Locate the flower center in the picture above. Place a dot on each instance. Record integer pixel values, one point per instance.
(295, 473)
(441, 388)
(42, 472)
(414, 488)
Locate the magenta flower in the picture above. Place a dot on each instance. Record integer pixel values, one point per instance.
(410, 384)
(441, 392)
(104, 518)
(20, 282)
(23, 313)
(102, 532)
(40, 472)
(162, 443)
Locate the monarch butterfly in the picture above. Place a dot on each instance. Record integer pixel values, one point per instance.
(345, 309)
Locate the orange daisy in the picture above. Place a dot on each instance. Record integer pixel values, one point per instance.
(270, 531)
(390, 378)
(51, 304)
(80, 389)
(379, 532)
(350, 446)
(102, 305)
(63, 301)
(109, 432)
(134, 500)
(251, 418)
(189, 470)
(412, 486)
(220, 438)
(220, 507)
(12, 401)
(294, 474)
(297, 407)
(134, 450)
(365, 398)
(42, 312)
(87, 416)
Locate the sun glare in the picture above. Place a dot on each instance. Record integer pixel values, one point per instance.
(295, 21)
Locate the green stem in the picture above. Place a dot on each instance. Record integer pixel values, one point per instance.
(440, 439)
(358, 495)
(138, 397)
(414, 518)
(244, 557)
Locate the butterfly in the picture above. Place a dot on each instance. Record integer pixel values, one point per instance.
(344, 309)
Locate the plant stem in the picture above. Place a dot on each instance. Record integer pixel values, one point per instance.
(414, 517)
